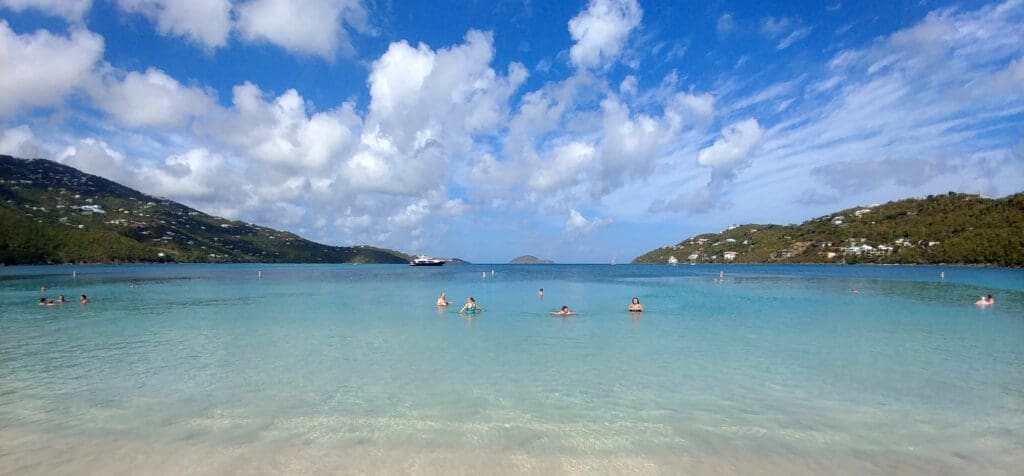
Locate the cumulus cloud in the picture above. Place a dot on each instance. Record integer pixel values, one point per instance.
(737, 143)
(41, 69)
(577, 223)
(725, 157)
(21, 142)
(281, 132)
(70, 10)
(96, 157)
(565, 168)
(304, 26)
(152, 99)
(205, 22)
(601, 30)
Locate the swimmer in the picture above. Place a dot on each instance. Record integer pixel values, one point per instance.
(985, 301)
(60, 299)
(471, 307)
(83, 299)
(442, 301)
(42, 301)
(42, 289)
(854, 291)
(540, 293)
(49, 302)
(564, 312)
(635, 306)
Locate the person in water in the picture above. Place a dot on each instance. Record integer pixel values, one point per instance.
(564, 312)
(985, 301)
(540, 293)
(42, 301)
(60, 299)
(442, 301)
(471, 307)
(83, 299)
(635, 306)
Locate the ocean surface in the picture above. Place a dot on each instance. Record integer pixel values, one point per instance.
(775, 370)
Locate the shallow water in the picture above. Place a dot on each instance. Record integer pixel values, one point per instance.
(776, 370)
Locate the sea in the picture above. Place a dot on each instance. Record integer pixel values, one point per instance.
(352, 369)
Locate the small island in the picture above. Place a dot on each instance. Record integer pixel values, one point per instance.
(529, 259)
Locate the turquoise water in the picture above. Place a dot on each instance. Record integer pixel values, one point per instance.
(352, 369)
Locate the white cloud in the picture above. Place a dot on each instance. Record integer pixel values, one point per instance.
(206, 22)
(600, 31)
(280, 132)
(793, 37)
(725, 24)
(737, 143)
(41, 69)
(96, 157)
(152, 99)
(565, 168)
(577, 223)
(304, 26)
(772, 26)
(70, 10)
(21, 142)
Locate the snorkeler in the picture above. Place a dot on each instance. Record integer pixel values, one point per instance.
(635, 306)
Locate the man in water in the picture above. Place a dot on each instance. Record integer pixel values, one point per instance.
(442, 301)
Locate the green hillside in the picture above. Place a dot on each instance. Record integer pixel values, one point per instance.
(950, 229)
(52, 213)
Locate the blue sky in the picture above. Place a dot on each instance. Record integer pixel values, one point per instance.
(577, 131)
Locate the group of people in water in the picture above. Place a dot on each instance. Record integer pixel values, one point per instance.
(44, 301)
(471, 307)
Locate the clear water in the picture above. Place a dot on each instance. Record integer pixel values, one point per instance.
(352, 369)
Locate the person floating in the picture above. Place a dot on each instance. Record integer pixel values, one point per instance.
(471, 307)
(563, 312)
(442, 301)
(635, 306)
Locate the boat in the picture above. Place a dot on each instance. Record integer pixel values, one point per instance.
(426, 261)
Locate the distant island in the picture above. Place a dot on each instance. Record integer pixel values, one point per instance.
(51, 213)
(954, 228)
(528, 259)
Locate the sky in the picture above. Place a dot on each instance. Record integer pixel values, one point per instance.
(579, 131)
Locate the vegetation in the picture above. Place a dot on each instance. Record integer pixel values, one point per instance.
(51, 213)
(530, 259)
(950, 229)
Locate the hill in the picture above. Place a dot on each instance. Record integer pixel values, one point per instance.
(948, 229)
(52, 213)
(528, 259)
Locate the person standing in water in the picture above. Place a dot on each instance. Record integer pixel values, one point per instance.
(442, 301)
(540, 293)
(470, 307)
(635, 306)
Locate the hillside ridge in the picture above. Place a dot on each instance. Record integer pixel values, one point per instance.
(53, 213)
(954, 228)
